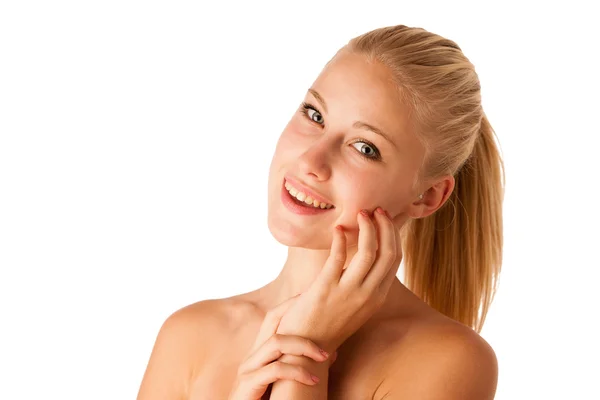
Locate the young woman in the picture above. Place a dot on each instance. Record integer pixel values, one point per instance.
(389, 157)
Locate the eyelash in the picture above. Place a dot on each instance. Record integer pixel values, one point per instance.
(377, 157)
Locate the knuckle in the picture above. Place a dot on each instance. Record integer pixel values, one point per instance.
(277, 340)
(390, 254)
(270, 315)
(298, 370)
(363, 297)
(356, 300)
(277, 352)
(241, 370)
(339, 258)
(310, 344)
(242, 377)
(368, 255)
(277, 368)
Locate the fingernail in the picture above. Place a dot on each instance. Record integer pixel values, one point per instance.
(314, 378)
(326, 354)
(380, 211)
(364, 212)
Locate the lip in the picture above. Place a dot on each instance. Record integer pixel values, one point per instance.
(291, 205)
(306, 190)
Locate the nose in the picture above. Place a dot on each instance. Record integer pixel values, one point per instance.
(316, 160)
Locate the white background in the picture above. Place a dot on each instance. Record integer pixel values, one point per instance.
(135, 141)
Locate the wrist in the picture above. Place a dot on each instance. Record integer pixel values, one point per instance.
(327, 344)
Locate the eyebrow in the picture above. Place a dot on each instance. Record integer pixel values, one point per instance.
(357, 124)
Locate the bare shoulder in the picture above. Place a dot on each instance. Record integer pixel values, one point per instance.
(440, 359)
(201, 326)
(214, 315)
(184, 342)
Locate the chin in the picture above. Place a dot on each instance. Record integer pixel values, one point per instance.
(293, 236)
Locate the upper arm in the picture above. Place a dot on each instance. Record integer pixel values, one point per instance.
(449, 367)
(177, 347)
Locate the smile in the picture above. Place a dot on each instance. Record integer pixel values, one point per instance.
(304, 198)
(299, 202)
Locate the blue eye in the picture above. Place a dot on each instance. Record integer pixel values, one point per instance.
(371, 153)
(309, 111)
(306, 110)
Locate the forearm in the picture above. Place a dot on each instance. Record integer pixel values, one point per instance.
(292, 390)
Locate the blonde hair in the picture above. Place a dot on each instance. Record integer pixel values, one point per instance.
(452, 257)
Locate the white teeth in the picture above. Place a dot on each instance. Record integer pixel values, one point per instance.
(304, 198)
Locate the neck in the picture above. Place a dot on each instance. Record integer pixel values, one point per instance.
(301, 269)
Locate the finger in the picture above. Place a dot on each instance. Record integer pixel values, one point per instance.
(275, 371)
(365, 255)
(271, 323)
(386, 283)
(334, 266)
(386, 253)
(278, 345)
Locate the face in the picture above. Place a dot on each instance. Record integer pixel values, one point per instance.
(327, 147)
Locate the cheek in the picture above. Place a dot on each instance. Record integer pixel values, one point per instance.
(299, 130)
(289, 146)
(283, 149)
(356, 200)
(292, 145)
(368, 194)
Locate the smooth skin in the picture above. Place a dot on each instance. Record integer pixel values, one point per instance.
(393, 346)
(448, 362)
(263, 367)
(342, 299)
(338, 303)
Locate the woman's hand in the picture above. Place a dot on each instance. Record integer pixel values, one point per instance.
(340, 300)
(261, 367)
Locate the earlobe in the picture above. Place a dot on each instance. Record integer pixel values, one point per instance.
(436, 197)
(416, 210)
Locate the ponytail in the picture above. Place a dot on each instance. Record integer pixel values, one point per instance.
(453, 257)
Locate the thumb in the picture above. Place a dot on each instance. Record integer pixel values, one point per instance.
(271, 322)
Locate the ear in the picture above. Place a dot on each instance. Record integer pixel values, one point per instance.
(433, 198)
